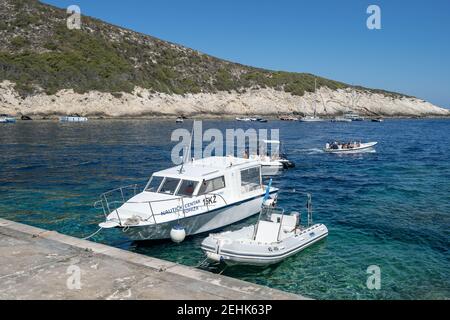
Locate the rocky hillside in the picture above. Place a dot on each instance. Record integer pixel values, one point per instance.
(102, 69)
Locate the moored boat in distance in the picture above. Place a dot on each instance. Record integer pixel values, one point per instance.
(353, 116)
(243, 119)
(272, 161)
(377, 120)
(7, 120)
(72, 119)
(340, 119)
(258, 119)
(350, 147)
(196, 197)
(311, 119)
(179, 120)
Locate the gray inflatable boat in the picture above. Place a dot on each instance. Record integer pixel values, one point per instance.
(275, 237)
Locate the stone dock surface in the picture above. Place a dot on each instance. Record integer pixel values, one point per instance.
(41, 264)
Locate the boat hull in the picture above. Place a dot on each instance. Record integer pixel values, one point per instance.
(204, 222)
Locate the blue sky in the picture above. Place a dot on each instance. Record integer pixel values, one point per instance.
(410, 54)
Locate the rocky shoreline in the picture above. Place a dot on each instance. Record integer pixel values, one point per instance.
(266, 102)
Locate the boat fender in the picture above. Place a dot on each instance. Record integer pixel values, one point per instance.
(214, 256)
(178, 234)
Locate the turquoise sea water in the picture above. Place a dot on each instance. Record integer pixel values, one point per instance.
(390, 208)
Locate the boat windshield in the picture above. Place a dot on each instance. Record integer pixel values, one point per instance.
(169, 186)
(212, 185)
(187, 188)
(250, 179)
(154, 184)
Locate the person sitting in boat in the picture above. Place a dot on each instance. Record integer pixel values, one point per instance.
(334, 145)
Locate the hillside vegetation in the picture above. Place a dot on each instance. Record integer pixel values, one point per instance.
(40, 54)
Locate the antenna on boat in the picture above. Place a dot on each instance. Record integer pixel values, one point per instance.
(309, 209)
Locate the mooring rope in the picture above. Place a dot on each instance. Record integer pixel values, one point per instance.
(92, 234)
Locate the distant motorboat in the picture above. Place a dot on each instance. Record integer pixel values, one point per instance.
(288, 118)
(311, 119)
(7, 120)
(73, 119)
(179, 120)
(340, 119)
(353, 117)
(377, 120)
(274, 164)
(258, 119)
(244, 119)
(337, 147)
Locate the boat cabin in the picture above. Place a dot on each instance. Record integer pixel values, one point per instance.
(232, 176)
(190, 189)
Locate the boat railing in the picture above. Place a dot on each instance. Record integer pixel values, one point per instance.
(108, 204)
(113, 199)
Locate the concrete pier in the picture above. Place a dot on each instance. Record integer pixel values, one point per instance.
(41, 264)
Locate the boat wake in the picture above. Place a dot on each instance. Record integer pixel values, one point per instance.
(310, 151)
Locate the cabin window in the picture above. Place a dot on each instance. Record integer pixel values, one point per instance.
(212, 185)
(154, 184)
(187, 188)
(250, 179)
(169, 186)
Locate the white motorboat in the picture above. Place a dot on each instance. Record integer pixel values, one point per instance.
(341, 119)
(258, 119)
(195, 197)
(353, 117)
(7, 120)
(275, 237)
(272, 161)
(352, 147)
(179, 120)
(311, 119)
(244, 119)
(73, 119)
